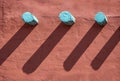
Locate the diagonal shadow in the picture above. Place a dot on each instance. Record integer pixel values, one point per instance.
(82, 46)
(14, 42)
(38, 57)
(106, 50)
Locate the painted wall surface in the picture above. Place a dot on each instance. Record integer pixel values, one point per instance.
(52, 51)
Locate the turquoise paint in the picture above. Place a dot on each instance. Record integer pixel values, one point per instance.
(100, 18)
(67, 18)
(29, 18)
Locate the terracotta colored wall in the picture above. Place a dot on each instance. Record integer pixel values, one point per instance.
(52, 51)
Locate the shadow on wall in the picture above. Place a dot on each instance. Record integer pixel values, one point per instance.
(82, 46)
(38, 57)
(14, 42)
(106, 50)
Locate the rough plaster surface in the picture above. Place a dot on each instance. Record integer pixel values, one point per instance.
(52, 51)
